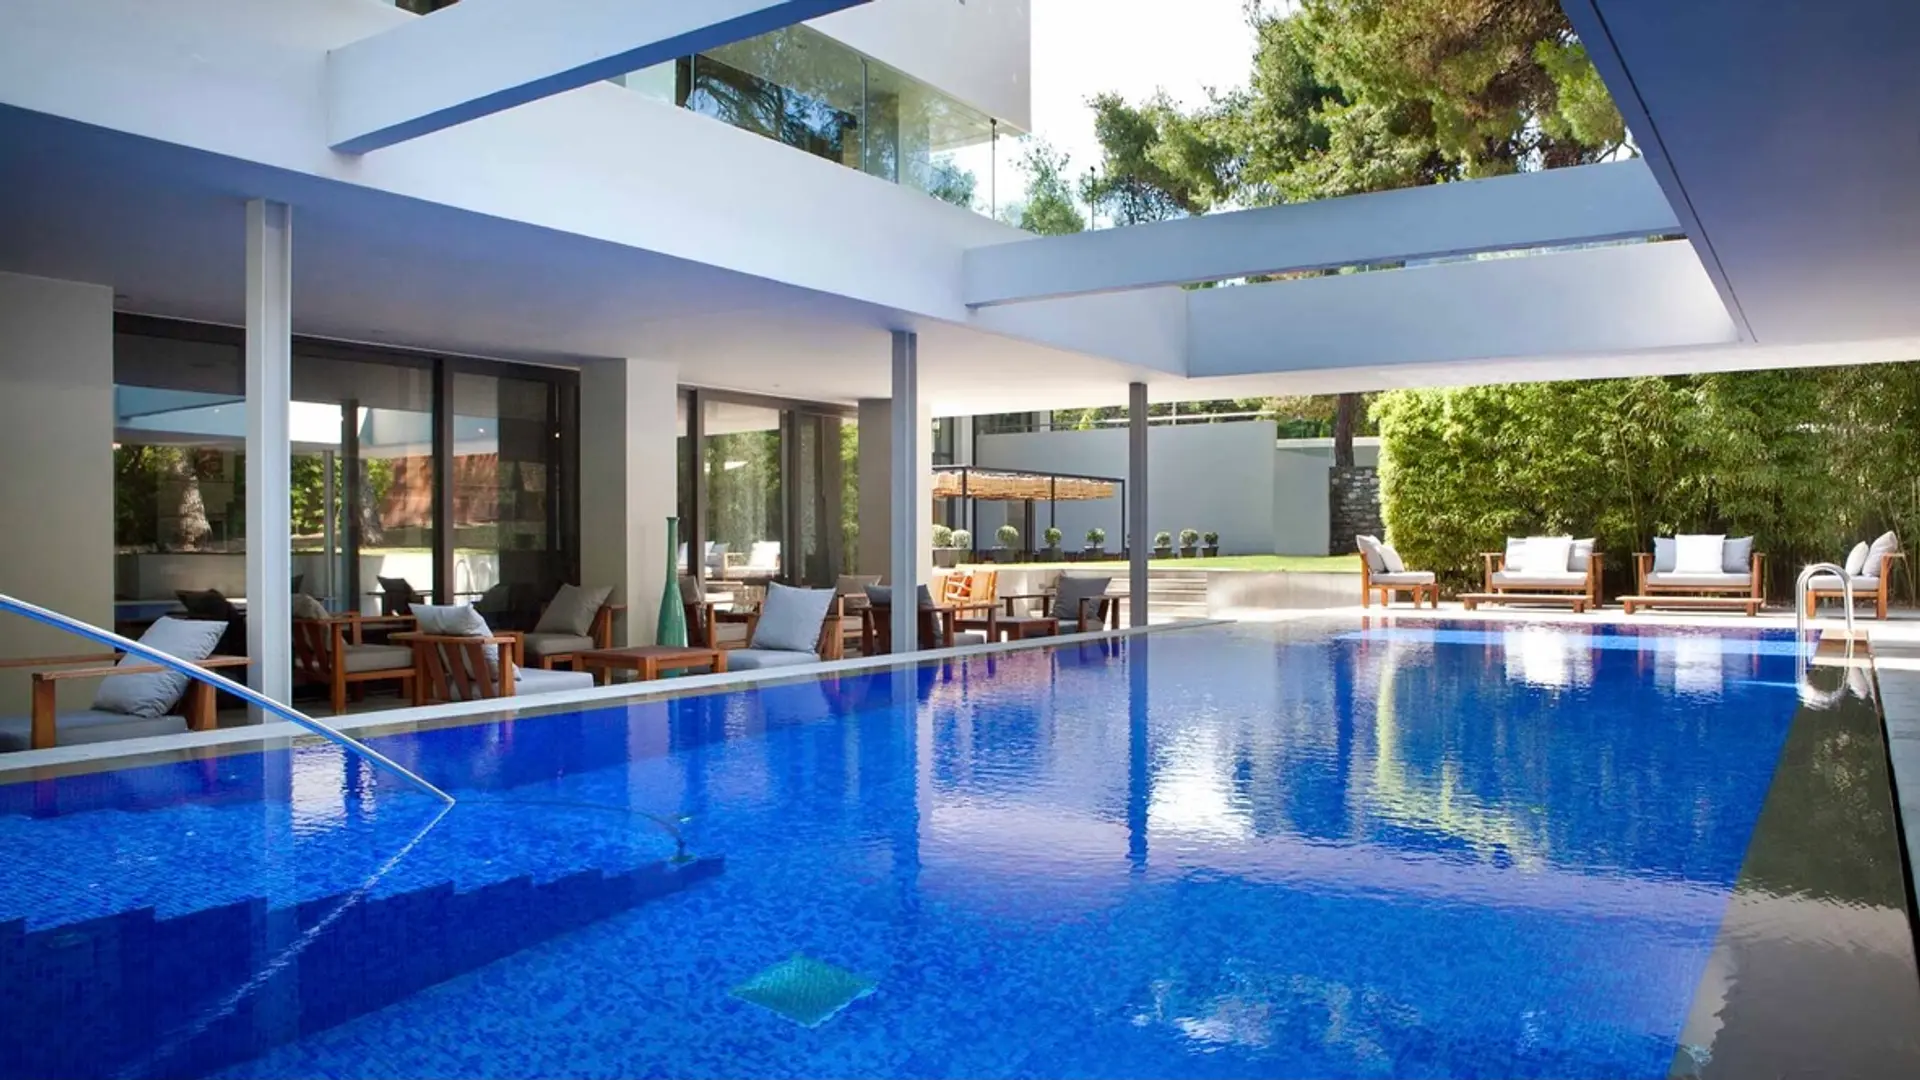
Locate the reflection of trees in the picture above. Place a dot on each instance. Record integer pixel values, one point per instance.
(159, 503)
(743, 501)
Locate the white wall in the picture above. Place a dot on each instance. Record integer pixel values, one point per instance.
(56, 435)
(979, 51)
(1210, 477)
(1301, 513)
(629, 485)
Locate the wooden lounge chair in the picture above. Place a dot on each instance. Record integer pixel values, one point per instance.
(1381, 571)
(1738, 582)
(456, 657)
(784, 624)
(575, 621)
(46, 727)
(1569, 574)
(333, 652)
(935, 625)
(1077, 604)
(1870, 566)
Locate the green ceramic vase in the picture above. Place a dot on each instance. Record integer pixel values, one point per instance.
(672, 629)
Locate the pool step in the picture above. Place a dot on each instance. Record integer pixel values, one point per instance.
(133, 995)
(1171, 594)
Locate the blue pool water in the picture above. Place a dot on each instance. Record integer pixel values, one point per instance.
(1427, 851)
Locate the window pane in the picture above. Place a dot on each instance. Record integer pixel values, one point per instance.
(745, 521)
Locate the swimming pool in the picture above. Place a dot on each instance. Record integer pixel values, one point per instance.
(1326, 849)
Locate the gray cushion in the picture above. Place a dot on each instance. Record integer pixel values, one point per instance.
(457, 620)
(1391, 557)
(1370, 550)
(1666, 554)
(307, 607)
(761, 659)
(1405, 577)
(852, 588)
(1861, 584)
(790, 619)
(572, 611)
(1073, 588)
(1580, 555)
(1674, 580)
(1737, 557)
(969, 637)
(361, 658)
(1562, 580)
(541, 645)
(1516, 556)
(1857, 558)
(16, 733)
(153, 694)
(537, 681)
(1883, 545)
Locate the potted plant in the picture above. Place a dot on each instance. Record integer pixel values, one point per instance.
(1096, 543)
(943, 553)
(1162, 544)
(1053, 537)
(1189, 543)
(1209, 544)
(962, 545)
(1008, 547)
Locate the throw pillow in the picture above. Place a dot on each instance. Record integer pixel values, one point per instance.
(1664, 554)
(151, 694)
(852, 589)
(790, 618)
(208, 604)
(572, 611)
(1370, 548)
(1515, 561)
(1547, 555)
(1883, 545)
(307, 607)
(1071, 589)
(1857, 559)
(1700, 554)
(1580, 554)
(1738, 557)
(1390, 557)
(458, 620)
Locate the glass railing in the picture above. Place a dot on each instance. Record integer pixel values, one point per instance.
(800, 87)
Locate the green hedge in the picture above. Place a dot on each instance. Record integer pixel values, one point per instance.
(1806, 461)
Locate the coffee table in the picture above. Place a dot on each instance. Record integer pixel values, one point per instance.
(648, 661)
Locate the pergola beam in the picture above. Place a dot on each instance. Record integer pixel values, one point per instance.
(480, 57)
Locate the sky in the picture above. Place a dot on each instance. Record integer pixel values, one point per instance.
(1134, 47)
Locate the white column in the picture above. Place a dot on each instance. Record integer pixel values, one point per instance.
(908, 444)
(629, 485)
(269, 483)
(1138, 538)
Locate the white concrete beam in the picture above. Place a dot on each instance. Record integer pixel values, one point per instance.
(1599, 300)
(1588, 203)
(269, 240)
(480, 57)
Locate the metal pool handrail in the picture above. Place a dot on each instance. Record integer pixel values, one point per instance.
(221, 682)
(1800, 600)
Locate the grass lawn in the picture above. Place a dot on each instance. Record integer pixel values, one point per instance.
(1319, 564)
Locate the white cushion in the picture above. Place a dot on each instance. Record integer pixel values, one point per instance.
(1516, 557)
(1547, 555)
(1370, 549)
(540, 646)
(1857, 558)
(1883, 545)
(458, 620)
(572, 610)
(1828, 583)
(1579, 554)
(1395, 564)
(760, 659)
(16, 732)
(361, 658)
(1405, 577)
(1663, 554)
(1677, 580)
(1699, 554)
(538, 681)
(1563, 579)
(154, 693)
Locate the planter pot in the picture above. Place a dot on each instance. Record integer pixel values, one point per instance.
(1094, 553)
(1209, 552)
(1163, 553)
(1189, 552)
(946, 558)
(1051, 554)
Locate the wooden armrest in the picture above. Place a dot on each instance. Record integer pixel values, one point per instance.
(95, 659)
(135, 669)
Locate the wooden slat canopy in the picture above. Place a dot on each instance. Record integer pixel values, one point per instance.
(1020, 487)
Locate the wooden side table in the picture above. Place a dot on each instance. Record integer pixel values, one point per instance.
(648, 661)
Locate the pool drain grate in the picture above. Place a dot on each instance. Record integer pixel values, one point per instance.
(805, 991)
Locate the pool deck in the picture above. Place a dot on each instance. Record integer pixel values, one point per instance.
(1896, 663)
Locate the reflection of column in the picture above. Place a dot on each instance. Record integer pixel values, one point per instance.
(628, 484)
(269, 246)
(909, 445)
(1137, 537)
(1139, 776)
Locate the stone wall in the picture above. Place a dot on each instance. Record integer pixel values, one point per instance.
(1353, 507)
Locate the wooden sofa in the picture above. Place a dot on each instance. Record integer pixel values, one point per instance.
(1667, 588)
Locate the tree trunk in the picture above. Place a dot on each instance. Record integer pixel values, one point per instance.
(190, 525)
(1344, 412)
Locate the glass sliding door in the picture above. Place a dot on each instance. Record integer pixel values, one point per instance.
(746, 511)
(818, 533)
(509, 556)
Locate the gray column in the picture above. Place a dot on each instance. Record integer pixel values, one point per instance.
(269, 480)
(1138, 540)
(908, 435)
